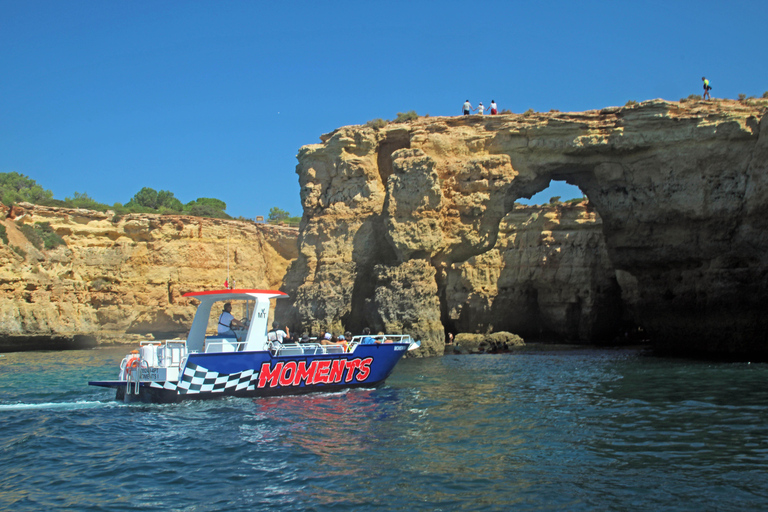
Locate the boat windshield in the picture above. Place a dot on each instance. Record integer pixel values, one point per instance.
(230, 316)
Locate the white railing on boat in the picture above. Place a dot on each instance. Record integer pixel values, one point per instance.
(155, 360)
(223, 345)
(313, 348)
(308, 349)
(163, 354)
(384, 338)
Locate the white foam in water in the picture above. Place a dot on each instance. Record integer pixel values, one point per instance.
(55, 405)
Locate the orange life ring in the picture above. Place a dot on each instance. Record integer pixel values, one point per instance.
(132, 363)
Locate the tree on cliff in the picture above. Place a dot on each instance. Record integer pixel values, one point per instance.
(278, 215)
(207, 207)
(15, 187)
(83, 200)
(154, 200)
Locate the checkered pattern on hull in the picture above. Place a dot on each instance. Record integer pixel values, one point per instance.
(197, 379)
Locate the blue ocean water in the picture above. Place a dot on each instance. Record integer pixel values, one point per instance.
(566, 430)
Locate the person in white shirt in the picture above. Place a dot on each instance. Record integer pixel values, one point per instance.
(227, 322)
(276, 334)
(467, 107)
(494, 111)
(480, 108)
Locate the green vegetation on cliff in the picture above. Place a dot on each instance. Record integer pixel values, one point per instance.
(277, 216)
(15, 188)
(41, 235)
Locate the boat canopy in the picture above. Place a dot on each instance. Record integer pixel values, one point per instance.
(256, 339)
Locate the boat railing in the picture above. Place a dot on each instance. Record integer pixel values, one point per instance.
(163, 354)
(312, 348)
(307, 349)
(223, 345)
(153, 357)
(383, 338)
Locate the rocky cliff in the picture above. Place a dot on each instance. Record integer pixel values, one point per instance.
(415, 227)
(116, 279)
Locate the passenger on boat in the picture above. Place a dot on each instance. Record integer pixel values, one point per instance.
(327, 339)
(227, 322)
(331, 339)
(277, 334)
(367, 340)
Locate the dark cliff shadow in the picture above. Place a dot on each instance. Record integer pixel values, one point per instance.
(370, 248)
(30, 343)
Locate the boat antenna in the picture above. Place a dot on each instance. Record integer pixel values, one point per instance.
(226, 283)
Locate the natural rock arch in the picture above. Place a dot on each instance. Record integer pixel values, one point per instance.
(678, 196)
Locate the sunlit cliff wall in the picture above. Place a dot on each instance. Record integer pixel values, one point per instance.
(120, 278)
(414, 226)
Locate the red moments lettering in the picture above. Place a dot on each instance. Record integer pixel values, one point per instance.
(325, 371)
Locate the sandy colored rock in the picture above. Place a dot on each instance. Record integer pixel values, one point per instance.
(120, 276)
(672, 237)
(467, 343)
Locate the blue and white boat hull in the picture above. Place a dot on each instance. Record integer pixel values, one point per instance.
(243, 361)
(254, 374)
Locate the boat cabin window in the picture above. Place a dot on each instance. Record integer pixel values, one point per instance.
(228, 325)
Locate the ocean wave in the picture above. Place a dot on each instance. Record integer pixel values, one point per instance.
(80, 404)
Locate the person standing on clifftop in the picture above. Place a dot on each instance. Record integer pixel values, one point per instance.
(707, 88)
(467, 107)
(493, 108)
(480, 108)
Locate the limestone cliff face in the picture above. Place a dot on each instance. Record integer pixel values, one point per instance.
(415, 226)
(117, 276)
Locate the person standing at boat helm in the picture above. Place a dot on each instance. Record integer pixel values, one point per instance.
(227, 322)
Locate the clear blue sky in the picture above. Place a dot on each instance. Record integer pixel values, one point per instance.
(214, 98)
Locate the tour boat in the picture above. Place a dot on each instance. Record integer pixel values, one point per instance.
(245, 363)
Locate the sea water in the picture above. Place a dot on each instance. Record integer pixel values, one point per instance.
(568, 430)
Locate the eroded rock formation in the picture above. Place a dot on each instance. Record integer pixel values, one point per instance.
(125, 275)
(415, 226)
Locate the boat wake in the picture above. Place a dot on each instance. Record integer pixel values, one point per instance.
(67, 406)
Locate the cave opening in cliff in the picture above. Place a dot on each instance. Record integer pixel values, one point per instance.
(556, 191)
(393, 142)
(548, 275)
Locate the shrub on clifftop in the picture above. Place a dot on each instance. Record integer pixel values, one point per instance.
(376, 123)
(84, 201)
(15, 187)
(207, 207)
(151, 198)
(402, 117)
